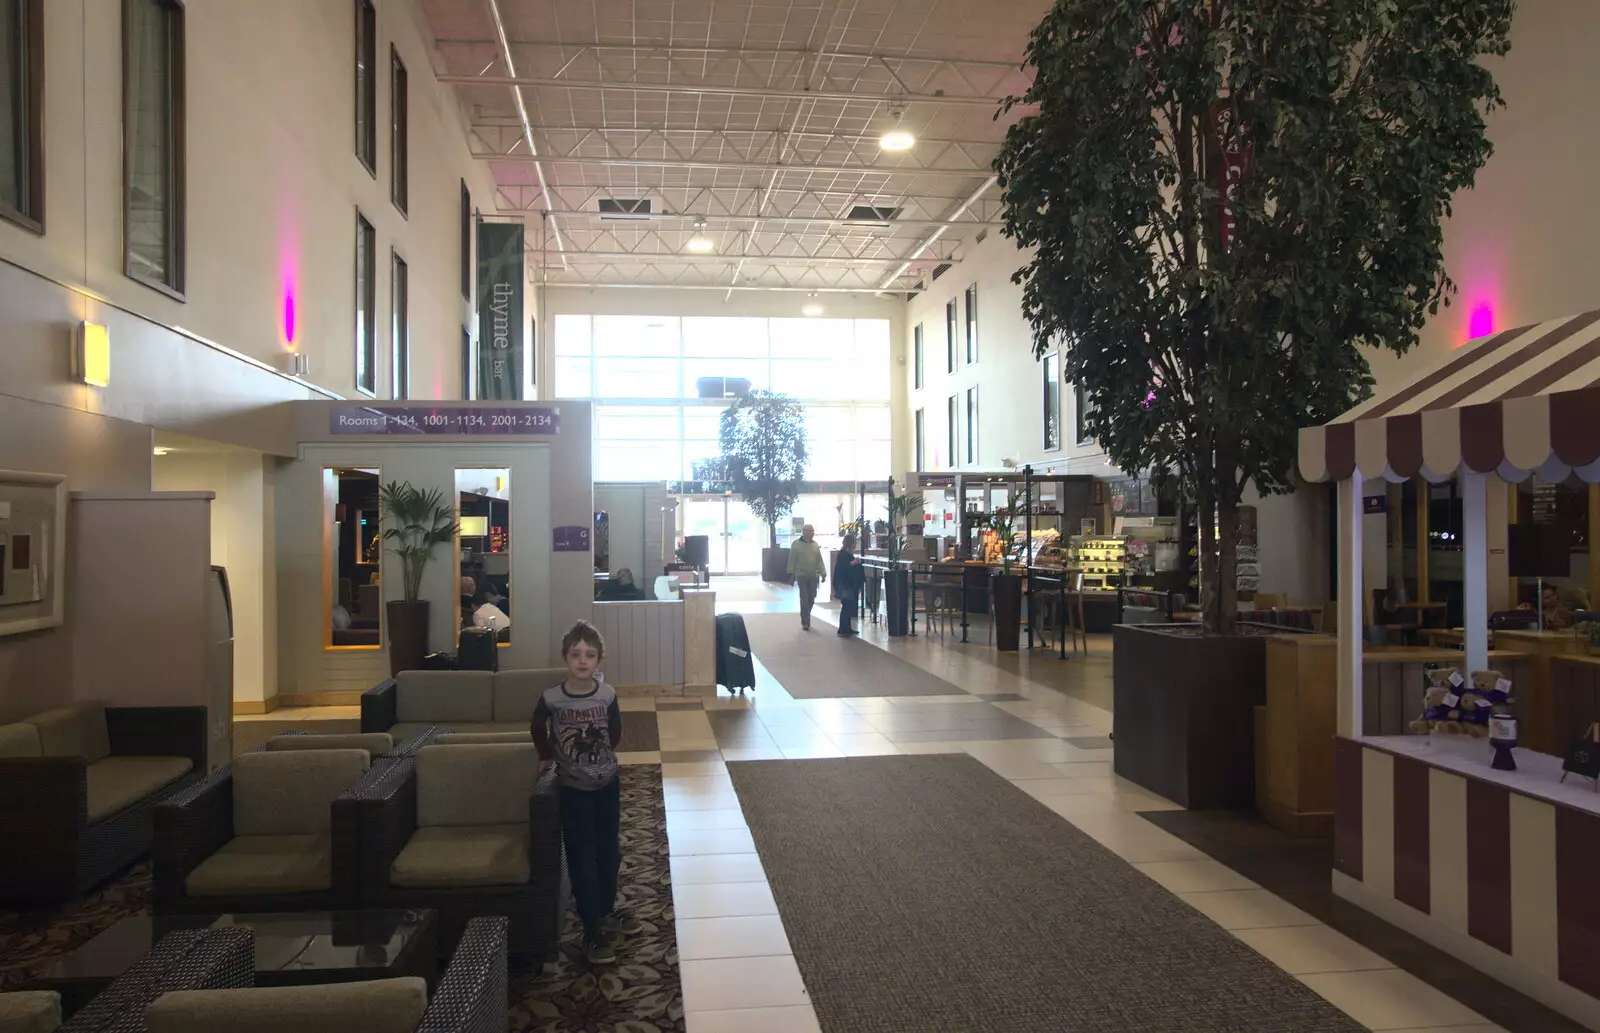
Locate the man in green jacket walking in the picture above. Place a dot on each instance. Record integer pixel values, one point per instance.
(807, 568)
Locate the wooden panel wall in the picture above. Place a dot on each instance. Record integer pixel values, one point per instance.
(644, 642)
(1392, 690)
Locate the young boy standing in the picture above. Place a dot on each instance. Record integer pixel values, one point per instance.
(577, 725)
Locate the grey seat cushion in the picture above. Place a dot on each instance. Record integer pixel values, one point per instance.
(463, 855)
(482, 738)
(373, 1006)
(375, 743)
(444, 697)
(252, 865)
(75, 731)
(30, 1011)
(517, 692)
(116, 782)
(476, 784)
(20, 740)
(290, 792)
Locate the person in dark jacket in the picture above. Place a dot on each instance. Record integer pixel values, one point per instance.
(847, 580)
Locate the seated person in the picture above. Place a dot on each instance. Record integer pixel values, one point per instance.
(1556, 615)
(621, 587)
(488, 615)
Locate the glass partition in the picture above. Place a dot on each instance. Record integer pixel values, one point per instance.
(483, 502)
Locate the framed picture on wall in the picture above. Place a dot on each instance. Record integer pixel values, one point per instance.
(33, 551)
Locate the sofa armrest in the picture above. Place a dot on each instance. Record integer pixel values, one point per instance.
(348, 831)
(545, 857)
(380, 707)
(44, 807)
(471, 996)
(158, 732)
(191, 959)
(418, 739)
(191, 825)
(387, 808)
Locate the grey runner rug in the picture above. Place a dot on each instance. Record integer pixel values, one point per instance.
(818, 664)
(927, 893)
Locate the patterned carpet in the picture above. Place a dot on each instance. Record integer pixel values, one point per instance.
(641, 994)
(927, 893)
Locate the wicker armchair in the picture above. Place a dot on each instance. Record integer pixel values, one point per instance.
(191, 959)
(443, 831)
(274, 831)
(78, 790)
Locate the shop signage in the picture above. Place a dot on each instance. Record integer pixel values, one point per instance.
(469, 420)
(1584, 757)
(570, 539)
(500, 347)
(1374, 504)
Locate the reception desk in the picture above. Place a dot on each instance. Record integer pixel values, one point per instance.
(659, 646)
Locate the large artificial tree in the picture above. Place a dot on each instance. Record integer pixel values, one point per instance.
(764, 454)
(1227, 201)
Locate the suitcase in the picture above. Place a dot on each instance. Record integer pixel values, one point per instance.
(735, 668)
(478, 652)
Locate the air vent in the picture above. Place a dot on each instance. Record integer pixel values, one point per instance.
(872, 214)
(616, 208)
(940, 269)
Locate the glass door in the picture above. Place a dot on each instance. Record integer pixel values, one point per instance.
(747, 536)
(709, 516)
(734, 537)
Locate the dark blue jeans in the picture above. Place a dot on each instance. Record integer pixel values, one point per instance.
(849, 604)
(591, 831)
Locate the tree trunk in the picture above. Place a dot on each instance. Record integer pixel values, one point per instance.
(1207, 544)
(1227, 566)
(772, 534)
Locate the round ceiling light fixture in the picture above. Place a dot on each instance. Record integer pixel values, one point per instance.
(812, 307)
(700, 244)
(897, 137)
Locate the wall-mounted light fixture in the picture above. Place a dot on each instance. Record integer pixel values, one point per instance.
(91, 354)
(296, 364)
(474, 527)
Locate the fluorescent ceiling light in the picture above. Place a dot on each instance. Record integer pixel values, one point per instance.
(897, 140)
(812, 308)
(700, 244)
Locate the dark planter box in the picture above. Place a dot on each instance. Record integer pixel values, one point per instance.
(1007, 611)
(898, 596)
(775, 565)
(408, 634)
(1184, 713)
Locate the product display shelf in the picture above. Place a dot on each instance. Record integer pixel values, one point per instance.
(1101, 558)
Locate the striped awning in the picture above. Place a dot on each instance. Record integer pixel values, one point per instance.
(1515, 403)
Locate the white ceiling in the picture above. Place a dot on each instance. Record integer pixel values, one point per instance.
(760, 116)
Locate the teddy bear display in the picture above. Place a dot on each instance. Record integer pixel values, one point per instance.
(1454, 705)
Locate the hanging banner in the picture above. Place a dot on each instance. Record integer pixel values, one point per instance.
(500, 349)
(1228, 159)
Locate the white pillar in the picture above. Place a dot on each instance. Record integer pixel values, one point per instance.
(1352, 615)
(1475, 568)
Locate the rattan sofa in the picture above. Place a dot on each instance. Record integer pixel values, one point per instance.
(190, 959)
(455, 829)
(274, 831)
(469, 998)
(463, 701)
(78, 790)
(381, 746)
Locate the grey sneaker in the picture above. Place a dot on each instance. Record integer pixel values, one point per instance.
(598, 950)
(621, 923)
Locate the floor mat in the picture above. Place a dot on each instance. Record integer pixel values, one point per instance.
(1296, 869)
(820, 664)
(927, 893)
(642, 993)
(641, 733)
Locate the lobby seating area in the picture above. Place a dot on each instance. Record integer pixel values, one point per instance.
(468, 702)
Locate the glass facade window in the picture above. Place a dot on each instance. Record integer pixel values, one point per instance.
(366, 87)
(153, 143)
(953, 428)
(1052, 402)
(916, 357)
(972, 324)
(400, 327)
(400, 133)
(919, 428)
(950, 331)
(366, 307)
(972, 425)
(22, 112)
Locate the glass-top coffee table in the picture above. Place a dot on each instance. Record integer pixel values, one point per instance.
(291, 949)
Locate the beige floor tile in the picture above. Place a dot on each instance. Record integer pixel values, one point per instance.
(1015, 768)
(744, 936)
(922, 748)
(629, 704)
(687, 785)
(1389, 999)
(734, 983)
(733, 900)
(1306, 949)
(869, 745)
(716, 869)
(752, 753)
(1195, 876)
(1133, 839)
(694, 769)
(675, 745)
(725, 841)
(1044, 788)
(1247, 909)
(1086, 805)
(814, 751)
(721, 818)
(640, 757)
(683, 724)
(1084, 769)
(799, 1019)
(725, 799)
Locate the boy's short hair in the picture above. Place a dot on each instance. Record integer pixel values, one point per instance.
(582, 631)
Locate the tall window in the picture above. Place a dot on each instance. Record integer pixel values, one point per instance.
(468, 381)
(366, 85)
(972, 324)
(953, 427)
(466, 241)
(400, 324)
(916, 357)
(153, 143)
(399, 133)
(1052, 401)
(366, 308)
(920, 441)
(22, 112)
(951, 349)
(1084, 409)
(972, 425)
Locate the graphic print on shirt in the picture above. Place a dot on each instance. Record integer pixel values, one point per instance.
(585, 735)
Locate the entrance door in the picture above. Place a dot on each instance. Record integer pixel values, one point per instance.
(734, 536)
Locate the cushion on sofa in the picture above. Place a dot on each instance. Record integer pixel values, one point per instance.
(463, 855)
(482, 738)
(75, 731)
(375, 743)
(373, 1006)
(516, 692)
(443, 697)
(116, 782)
(252, 865)
(290, 792)
(30, 1011)
(475, 785)
(20, 740)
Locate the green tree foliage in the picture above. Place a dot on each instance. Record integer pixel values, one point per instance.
(1339, 130)
(764, 454)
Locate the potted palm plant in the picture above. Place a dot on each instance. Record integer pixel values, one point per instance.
(895, 582)
(414, 522)
(1005, 585)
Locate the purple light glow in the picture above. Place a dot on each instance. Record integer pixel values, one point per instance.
(1481, 322)
(288, 314)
